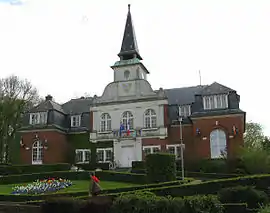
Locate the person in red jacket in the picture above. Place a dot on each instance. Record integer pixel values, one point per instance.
(94, 188)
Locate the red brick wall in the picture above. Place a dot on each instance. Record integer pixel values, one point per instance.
(196, 147)
(166, 118)
(207, 125)
(57, 146)
(154, 142)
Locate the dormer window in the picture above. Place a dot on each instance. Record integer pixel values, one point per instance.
(38, 118)
(75, 121)
(184, 111)
(215, 101)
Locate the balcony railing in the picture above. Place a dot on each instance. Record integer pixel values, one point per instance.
(116, 134)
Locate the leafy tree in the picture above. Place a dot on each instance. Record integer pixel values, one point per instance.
(16, 97)
(254, 136)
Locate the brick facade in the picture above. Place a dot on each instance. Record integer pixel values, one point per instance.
(56, 142)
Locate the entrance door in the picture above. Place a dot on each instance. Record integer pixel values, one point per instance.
(127, 156)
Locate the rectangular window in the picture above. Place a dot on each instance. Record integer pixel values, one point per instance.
(83, 155)
(185, 110)
(215, 101)
(151, 149)
(75, 121)
(104, 155)
(38, 118)
(175, 149)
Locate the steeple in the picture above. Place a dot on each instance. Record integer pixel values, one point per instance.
(129, 48)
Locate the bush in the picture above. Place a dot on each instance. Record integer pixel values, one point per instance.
(87, 166)
(211, 187)
(121, 177)
(149, 202)
(243, 194)
(255, 161)
(265, 209)
(235, 207)
(160, 167)
(28, 169)
(60, 205)
(138, 165)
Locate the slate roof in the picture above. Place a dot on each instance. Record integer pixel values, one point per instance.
(77, 106)
(184, 95)
(48, 105)
(216, 88)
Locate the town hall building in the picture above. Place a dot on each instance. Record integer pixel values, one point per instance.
(131, 119)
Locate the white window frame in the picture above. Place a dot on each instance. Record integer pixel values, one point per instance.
(77, 120)
(108, 122)
(37, 152)
(214, 144)
(175, 150)
(152, 116)
(83, 155)
(211, 102)
(41, 118)
(127, 117)
(104, 154)
(184, 110)
(152, 147)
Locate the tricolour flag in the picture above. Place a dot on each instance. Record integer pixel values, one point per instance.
(128, 130)
(122, 128)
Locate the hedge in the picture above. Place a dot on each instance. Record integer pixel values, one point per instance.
(135, 203)
(84, 194)
(261, 182)
(160, 167)
(28, 169)
(87, 166)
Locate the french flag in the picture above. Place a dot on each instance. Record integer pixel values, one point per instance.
(122, 128)
(128, 130)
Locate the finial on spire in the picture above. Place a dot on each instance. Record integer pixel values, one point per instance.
(128, 7)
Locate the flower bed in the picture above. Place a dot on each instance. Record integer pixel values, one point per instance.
(42, 186)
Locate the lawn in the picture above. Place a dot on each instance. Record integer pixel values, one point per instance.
(77, 185)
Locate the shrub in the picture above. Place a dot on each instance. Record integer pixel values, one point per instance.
(60, 205)
(28, 169)
(255, 161)
(149, 202)
(138, 165)
(243, 194)
(235, 207)
(160, 167)
(211, 187)
(122, 177)
(265, 209)
(91, 166)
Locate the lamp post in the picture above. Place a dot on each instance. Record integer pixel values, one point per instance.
(181, 145)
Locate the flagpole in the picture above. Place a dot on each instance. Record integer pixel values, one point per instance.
(181, 144)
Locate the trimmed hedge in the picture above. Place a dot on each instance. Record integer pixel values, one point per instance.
(160, 167)
(243, 194)
(84, 175)
(84, 194)
(135, 203)
(261, 182)
(28, 169)
(87, 166)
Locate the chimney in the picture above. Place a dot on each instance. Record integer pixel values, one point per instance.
(48, 98)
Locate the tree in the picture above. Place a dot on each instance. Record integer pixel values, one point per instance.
(16, 97)
(254, 137)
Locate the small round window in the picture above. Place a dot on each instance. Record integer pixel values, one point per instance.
(126, 74)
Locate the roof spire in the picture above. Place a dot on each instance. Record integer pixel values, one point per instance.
(129, 48)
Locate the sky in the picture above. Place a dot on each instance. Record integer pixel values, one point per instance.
(66, 47)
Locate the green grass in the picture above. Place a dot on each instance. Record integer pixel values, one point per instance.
(77, 185)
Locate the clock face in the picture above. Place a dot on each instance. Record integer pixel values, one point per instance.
(126, 86)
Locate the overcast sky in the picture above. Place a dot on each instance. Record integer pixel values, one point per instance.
(66, 47)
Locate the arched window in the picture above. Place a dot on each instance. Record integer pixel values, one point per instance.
(37, 152)
(106, 122)
(127, 120)
(218, 143)
(150, 119)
